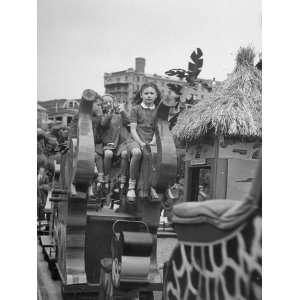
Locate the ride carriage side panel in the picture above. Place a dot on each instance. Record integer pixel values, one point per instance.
(76, 176)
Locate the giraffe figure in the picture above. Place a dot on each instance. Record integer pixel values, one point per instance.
(218, 256)
(229, 268)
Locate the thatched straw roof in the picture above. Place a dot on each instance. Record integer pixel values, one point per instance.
(234, 109)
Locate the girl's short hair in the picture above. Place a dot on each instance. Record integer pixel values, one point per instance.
(138, 99)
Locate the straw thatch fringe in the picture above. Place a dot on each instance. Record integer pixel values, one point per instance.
(234, 109)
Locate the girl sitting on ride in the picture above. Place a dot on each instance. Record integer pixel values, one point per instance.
(113, 135)
(142, 129)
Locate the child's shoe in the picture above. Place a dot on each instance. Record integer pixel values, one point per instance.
(131, 197)
(153, 194)
(100, 181)
(90, 191)
(73, 189)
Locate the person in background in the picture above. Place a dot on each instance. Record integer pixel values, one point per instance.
(174, 195)
(46, 145)
(43, 187)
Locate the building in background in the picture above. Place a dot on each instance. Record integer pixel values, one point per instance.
(61, 110)
(42, 116)
(123, 85)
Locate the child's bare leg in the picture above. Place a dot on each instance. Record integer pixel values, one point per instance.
(99, 163)
(108, 154)
(135, 163)
(100, 168)
(133, 173)
(124, 166)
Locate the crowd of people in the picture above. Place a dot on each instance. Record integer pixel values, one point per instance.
(49, 145)
(120, 137)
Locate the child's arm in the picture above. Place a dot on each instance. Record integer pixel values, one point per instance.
(135, 134)
(105, 120)
(124, 115)
(170, 99)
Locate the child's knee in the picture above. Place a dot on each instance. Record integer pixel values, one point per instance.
(124, 154)
(136, 152)
(108, 154)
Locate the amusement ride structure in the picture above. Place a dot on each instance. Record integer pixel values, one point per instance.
(99, 251)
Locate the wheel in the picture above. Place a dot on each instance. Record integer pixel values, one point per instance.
(111, 293)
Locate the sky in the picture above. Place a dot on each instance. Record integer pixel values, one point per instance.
(78, 41)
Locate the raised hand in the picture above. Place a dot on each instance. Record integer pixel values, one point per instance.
(171, 98)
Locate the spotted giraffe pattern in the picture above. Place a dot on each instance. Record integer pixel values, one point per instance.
(228, 269)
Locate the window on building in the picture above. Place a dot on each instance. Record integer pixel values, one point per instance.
(58, 119)
(71, 104)
(69, 119)
(138, 78)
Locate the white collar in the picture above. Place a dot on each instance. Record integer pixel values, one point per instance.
(148, 107)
